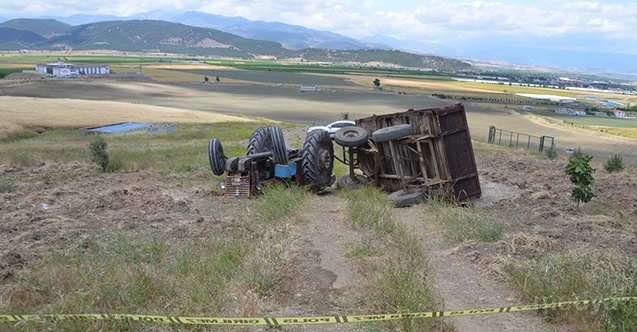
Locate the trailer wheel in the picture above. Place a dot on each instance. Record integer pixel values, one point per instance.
(392, 133)
(260, 141)
(318, 158)
(216, 157)
(279, 150)
(346, 181)
(351, 136)
(403, 198)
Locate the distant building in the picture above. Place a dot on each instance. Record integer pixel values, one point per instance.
(602, 114)
(570, 111)
(161, 129)
(62, 69)
(619, 113)
(307, 87)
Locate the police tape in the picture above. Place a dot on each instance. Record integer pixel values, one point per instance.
(44, 175)
(275, 321)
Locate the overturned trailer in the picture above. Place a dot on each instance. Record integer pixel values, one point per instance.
(407, 152)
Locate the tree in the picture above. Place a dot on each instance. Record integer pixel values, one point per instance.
(377, 82)
(98, 151)
(581, 175)
(217, 79)
(205, 79)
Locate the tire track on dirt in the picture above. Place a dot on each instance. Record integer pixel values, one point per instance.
(317, 279)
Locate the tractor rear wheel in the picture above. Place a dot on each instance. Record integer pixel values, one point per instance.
(279, 151)
(318, 158)
(260, 141)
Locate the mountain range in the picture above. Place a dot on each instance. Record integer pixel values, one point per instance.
(514, 51)
(155, 36)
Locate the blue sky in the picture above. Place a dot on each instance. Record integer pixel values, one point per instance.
(605, 26)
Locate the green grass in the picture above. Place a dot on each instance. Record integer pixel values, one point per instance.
(393, 261)
(10, 138)
(8, 71)
(561, 277)
(185, 151)
(594, 121)
(462, 224)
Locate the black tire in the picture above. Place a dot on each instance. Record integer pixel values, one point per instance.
(351, 136)
(392, 133)
(346, 182)
(279, 150)
(404, 198)
(216, 157)
(318, 158)
(260, 141)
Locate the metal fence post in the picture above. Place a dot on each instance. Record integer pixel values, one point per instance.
(491, 138)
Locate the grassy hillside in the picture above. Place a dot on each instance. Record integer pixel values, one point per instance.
(42, 27)
(162, 37)
(394, 57)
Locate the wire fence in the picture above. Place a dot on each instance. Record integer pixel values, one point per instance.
(519, 140)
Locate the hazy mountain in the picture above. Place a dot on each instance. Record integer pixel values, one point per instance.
(79, 19)
(168, 37)
(19, 38)
(295, 36)
(560, 52)
(43, 27)
(411, 45)
(162, 36)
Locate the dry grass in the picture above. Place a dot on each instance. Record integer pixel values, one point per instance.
(71, 113)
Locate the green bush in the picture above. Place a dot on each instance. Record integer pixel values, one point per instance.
(98, 152)
(581, 174)
(614, 164)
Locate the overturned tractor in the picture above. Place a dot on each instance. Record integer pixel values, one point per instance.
(268, 158)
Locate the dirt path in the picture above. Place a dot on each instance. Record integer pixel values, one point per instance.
(463, 285)
(318, 279)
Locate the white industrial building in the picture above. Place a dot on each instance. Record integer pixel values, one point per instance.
(62, 69)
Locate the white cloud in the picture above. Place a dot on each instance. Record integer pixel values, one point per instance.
(441, 21)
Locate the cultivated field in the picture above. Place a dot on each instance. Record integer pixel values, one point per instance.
(156, 237)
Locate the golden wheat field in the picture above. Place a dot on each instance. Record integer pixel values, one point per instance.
(28, 112)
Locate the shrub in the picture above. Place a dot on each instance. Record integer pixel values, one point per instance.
(551, 153)
(581, 174)
(614, 164)
(98, 151)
